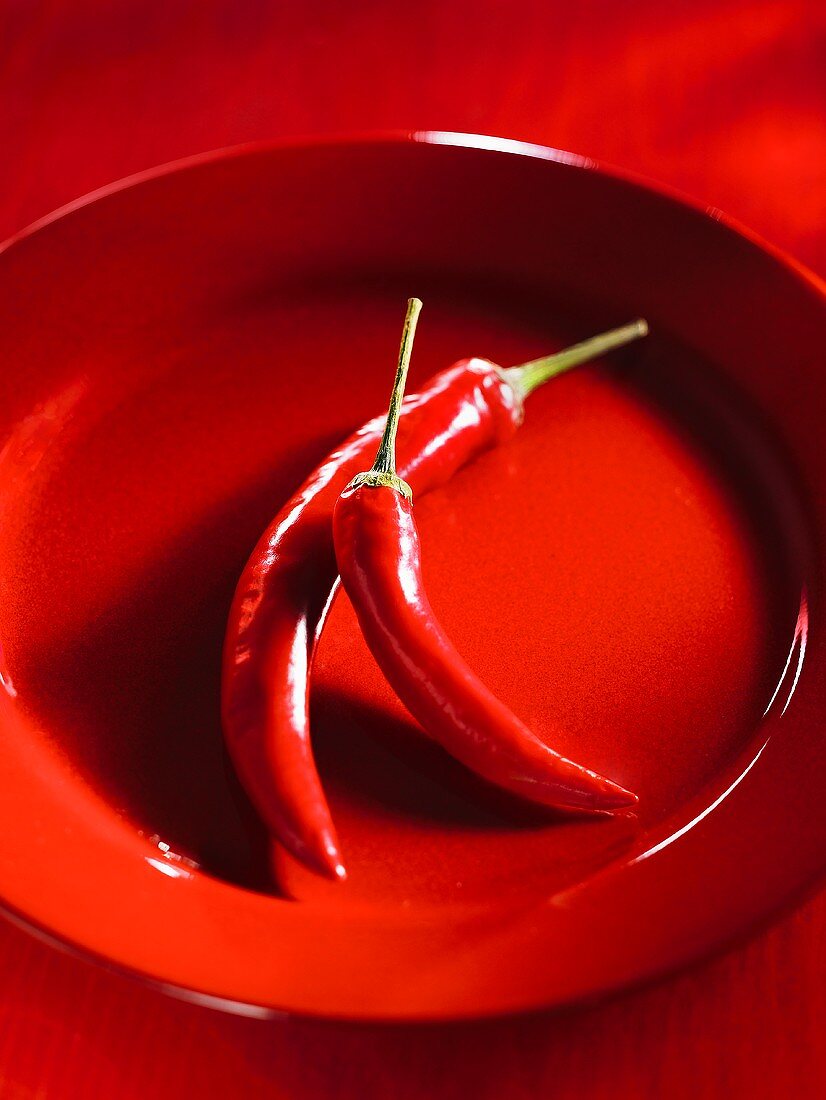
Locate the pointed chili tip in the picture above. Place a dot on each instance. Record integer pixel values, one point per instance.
(615, 797)
(323, 856)
(332, 865)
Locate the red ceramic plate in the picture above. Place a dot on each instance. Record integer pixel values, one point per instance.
(639, 565)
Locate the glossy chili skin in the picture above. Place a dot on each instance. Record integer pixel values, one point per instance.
(378, 553)
(287, 585)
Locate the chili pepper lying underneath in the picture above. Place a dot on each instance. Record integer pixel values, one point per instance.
(378, 555)
(288, 583)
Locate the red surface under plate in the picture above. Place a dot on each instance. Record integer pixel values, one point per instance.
(636, 565)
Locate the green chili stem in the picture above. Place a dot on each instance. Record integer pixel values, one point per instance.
(527, 377)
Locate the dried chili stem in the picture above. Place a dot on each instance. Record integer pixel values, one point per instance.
(384, 467)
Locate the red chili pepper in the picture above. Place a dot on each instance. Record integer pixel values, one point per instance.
(378, 555)
(288, 583)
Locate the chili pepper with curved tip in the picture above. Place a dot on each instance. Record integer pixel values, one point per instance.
(287, 585)
(378, 555)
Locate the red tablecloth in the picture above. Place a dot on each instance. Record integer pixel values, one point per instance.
(720, 98)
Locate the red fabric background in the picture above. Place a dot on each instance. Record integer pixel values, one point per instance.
(722, 99)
